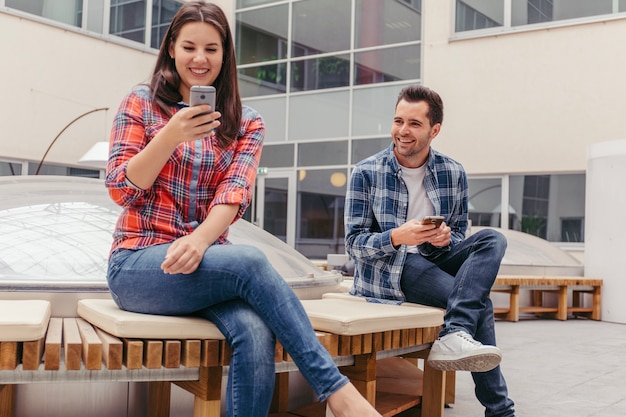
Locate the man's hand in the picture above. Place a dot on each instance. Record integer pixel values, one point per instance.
(413, 232)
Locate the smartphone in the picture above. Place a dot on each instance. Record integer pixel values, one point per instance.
(202, 94)
(436, 220)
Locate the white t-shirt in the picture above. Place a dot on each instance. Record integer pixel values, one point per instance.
(419, 204)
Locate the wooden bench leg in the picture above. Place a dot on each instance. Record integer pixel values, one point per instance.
(280, 399)
(561, 313)
(596, 306)
(363, 375)
(7, 400)
(159, 394)
(513, 314)
(207, 391)
(434, 392)
(450, 387)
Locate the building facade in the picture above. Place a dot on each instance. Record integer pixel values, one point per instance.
(528, 86)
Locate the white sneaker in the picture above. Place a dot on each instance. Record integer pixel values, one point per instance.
(458, 351)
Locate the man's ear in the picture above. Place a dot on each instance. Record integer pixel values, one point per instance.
(435, 131)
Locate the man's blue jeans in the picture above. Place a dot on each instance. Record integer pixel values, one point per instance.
(460, 281)
(237, 289)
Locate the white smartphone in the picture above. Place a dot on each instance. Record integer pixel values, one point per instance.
(202, 94)
(436, 220)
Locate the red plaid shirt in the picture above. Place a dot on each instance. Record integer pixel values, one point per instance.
(197, 176)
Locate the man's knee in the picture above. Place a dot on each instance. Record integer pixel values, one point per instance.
(493, 238)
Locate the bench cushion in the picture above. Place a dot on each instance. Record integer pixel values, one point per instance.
(23, 320)
(350, 297)
(347, 317)
(106, 315)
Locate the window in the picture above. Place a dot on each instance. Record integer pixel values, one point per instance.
(486, 14)
(128, 19)
(277, 156)
(10, 168)
(321, 197)
(65, 11)
(364, 148)
(163, 12)
(323, 153)
(319, 44)
(548, 206)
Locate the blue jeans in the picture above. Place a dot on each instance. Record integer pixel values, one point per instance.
(460, 281)
(237, 289)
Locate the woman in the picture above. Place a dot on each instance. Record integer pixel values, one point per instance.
(183, 175)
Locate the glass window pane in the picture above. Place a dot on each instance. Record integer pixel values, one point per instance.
(320, 26)
(385, 23)
(10, 168)
(549, 206)
(64, 11)
(262, 34)
(263, 80)
(476, 14)
(163, 12)
(374, 109)
(95, 16)
(250, 3)
(277, 156)
(363, 148)
(389, 64)
(537, 11)
(484, 202)
(320, 73)
(273, 111)
(319, 115)
(321, 197)
(323, 153)
(128, 19)
(622, 6)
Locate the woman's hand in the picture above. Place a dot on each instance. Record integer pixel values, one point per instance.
(191, 123)
(186, 125)
(184, 255)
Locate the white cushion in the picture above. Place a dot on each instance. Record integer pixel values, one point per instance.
(350, 297)
(347, 317)
(23, 320)
(106, 315)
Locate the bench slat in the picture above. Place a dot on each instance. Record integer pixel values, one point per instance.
(112, 350)
(72, 344)
(9, 355)
(133, 353)
(92, 345)
(52, 350)
(191, 354)
(31, 354)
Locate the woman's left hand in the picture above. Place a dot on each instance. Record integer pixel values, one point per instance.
(184, 255)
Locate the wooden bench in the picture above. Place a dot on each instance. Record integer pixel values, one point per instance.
(108, 344)
(539, 285)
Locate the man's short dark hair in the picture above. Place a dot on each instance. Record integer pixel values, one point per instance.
(415, 93)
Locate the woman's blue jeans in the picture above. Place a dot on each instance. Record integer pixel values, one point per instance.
(236, 288)
(460, 281)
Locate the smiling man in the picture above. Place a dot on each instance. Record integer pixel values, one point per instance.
(400, 257)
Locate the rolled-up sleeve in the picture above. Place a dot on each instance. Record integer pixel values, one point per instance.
(128, 137)
(237, 185)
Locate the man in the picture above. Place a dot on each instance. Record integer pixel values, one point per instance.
(399, 258)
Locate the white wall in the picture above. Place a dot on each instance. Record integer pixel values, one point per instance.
(526, 102)
(51, 76)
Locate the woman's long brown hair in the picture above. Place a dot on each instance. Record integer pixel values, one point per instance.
(166, 80)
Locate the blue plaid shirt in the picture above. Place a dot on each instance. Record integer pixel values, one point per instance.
(377, 202)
